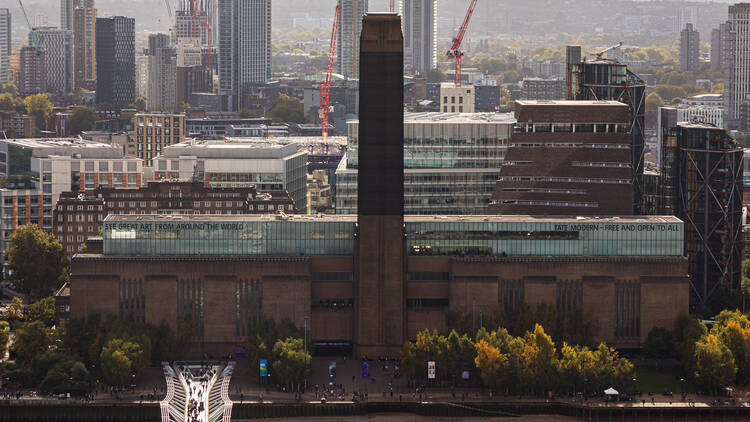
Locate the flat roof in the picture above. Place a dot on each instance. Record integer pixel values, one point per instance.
(578, 103)
(407, 218)
(441, 117)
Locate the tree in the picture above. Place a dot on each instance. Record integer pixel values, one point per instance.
(68, 376)
(9, 89)
(81, 119)
(40, 107)
(4, 328)
(182, 107)
(35, 259)
(659, 343)
(287, 109)
(291, 363)
(435, 75)
(654, 101)
(31, 340)
(9, 103)
(687, 332)
(43, 310)
(14, 310)
(140, 104)
(120, 361)
(714, 364)
(718, 88)
(539, 357)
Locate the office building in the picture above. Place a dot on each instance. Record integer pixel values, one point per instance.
(486, 98)
(193, 79)
(702, 179)
(5, 43)
(612, 81)
(347, 45)
(57, 45)
(84, 41)
(419, 26)
(736, 72)
(456, 99)
(189, 52)
(689, 49)
(162, 74)
(244, 48)
(67, 12)
(451, 163)
(542, 89)
(115, 60)
(155, 131)
(184, 30)
(32, 76)
(268, 164)
(141, 76)
(566, 158)
(78, 216)
(219, 128)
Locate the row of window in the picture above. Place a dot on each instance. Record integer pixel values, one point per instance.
(80, 218)
(546, 190)
(600, 164)
(80, 207)
(79, 228)
(572, 127)
(569, 145)
(548, 203)
(562, 179)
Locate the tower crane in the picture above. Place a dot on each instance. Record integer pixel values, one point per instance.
(169, 9)
(455, 51)
(607, 50)
(31, 29)
(393, 6)
(325, 86)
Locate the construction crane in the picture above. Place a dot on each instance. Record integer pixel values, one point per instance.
(455, 51)
(393, 6)
(169, 9)
(607, 50)
(31, 29)
(325, 86)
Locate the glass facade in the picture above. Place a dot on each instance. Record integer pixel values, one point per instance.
(144, 235)
(228, 237)
(545, 238)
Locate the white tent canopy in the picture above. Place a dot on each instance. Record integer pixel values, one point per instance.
(611, 392)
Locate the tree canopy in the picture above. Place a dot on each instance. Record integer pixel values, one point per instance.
(39, 106)
(81, 119)
(35, 259)
(287, 109)
(291, 363)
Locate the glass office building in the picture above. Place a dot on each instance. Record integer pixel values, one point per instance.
(425, 236)
(451, 162)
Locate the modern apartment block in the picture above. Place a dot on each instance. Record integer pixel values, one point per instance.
(32, 76)
(184, 28)
(689, 49)
(566, 158)
(115, 60)
(451, 162)
(155, 131)
(736, 71)
(162, 74)
(612, 81)
(193, 79)
(719, 46)
(84, 40)
(5, 43)
(141, 76)
(542, 89)
(702, 181)
(67, 12)
(347, 45)
(244, 47)
(57, 44)
(268, 164)
(419, 25)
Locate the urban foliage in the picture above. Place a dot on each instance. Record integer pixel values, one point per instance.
(39, 106)
(81, 119)
(36, 260)
(291, 363)
(287, 109)
(262, 341)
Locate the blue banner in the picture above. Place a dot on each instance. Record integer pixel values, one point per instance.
(365, 369)
(263, 368)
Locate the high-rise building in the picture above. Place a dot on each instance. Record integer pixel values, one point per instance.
(84, 40)
(380, 296)
(115, 60)
(58, 46)
(612, 81)
(702, 185)
(141, 75)
(719, 46)
(566, 158)
(67, 11)
(162, 74)
(244, 47)
(736, 71)
(184, 29)
(192, 79)
(350, 27)
(33, 71)
(689, 49)
(419, 22)
(5, 43)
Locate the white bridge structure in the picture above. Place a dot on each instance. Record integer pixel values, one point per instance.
(197, 392)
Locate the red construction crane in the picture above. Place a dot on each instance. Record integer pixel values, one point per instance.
(325, 86)
(454, 52)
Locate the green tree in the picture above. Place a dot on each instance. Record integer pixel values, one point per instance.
(714, 364)
(31, 340)
(4, 329)
(68, 376)
(435, 75)
(120, 361)
(14, 310)
(140, 104)
(718, 88)
(687, 332)
(539, 357)
(39, 106)
(9, 89)
(82, 119)
(35, 259)
(9, 103)
(669, 92)
(654, 101)
(291, 363)
(43, 310)
(287, 109)
(659, 343)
